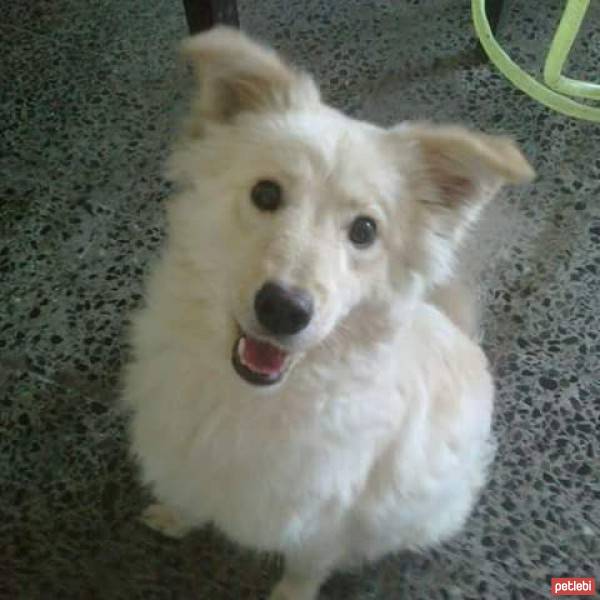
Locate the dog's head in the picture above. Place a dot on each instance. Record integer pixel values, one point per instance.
(299, 217)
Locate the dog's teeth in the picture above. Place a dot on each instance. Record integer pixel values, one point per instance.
(241, 346)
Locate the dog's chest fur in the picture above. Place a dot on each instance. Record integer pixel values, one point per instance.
(308, 462)
(263, 467)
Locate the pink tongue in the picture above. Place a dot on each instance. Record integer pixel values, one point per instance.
(262, 357)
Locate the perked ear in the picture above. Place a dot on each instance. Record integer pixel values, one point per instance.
(237, 74)
(451, 173)
(462, 166)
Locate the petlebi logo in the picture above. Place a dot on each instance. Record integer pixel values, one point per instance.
(573, 586)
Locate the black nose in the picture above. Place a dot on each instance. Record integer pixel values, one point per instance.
(282, 310)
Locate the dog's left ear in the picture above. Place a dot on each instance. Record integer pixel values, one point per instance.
(451, 173)
(237, 74)
(458, 167)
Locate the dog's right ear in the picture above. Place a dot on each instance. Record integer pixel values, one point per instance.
(237, 74)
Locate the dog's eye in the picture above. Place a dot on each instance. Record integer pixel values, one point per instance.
(363, 232)
(266, 195)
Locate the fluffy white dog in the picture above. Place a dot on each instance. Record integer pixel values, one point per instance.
(294, 381)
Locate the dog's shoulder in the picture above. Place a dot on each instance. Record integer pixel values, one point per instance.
(444, 365)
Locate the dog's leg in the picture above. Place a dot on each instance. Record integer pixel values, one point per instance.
(301, 579)
(292, 589)
(164, 520)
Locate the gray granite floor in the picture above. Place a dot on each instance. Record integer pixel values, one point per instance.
(90, 93)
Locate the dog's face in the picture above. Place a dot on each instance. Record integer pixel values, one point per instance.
(299, 216)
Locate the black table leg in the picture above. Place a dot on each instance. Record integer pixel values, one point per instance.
(203, 14)
(493, 9)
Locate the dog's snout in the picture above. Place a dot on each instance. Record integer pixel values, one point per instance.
(283, 310)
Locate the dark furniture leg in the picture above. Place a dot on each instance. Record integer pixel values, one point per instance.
(203, 14)
(493, 9)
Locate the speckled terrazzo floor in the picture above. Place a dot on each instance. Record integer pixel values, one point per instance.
(89, 96)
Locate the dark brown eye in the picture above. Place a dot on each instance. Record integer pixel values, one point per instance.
(267, 195)
(363, 232)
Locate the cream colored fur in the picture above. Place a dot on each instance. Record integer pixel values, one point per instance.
(378, 437)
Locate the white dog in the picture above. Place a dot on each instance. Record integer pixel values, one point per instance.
(293, 380)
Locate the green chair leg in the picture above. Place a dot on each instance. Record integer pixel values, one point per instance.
(566, 33)
(523, 80)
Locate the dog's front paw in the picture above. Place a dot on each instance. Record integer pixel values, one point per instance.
(164, 520)
(287, 589)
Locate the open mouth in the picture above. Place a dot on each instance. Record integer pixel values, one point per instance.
(259, 362)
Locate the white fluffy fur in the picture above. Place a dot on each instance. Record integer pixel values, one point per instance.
(379, 436)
